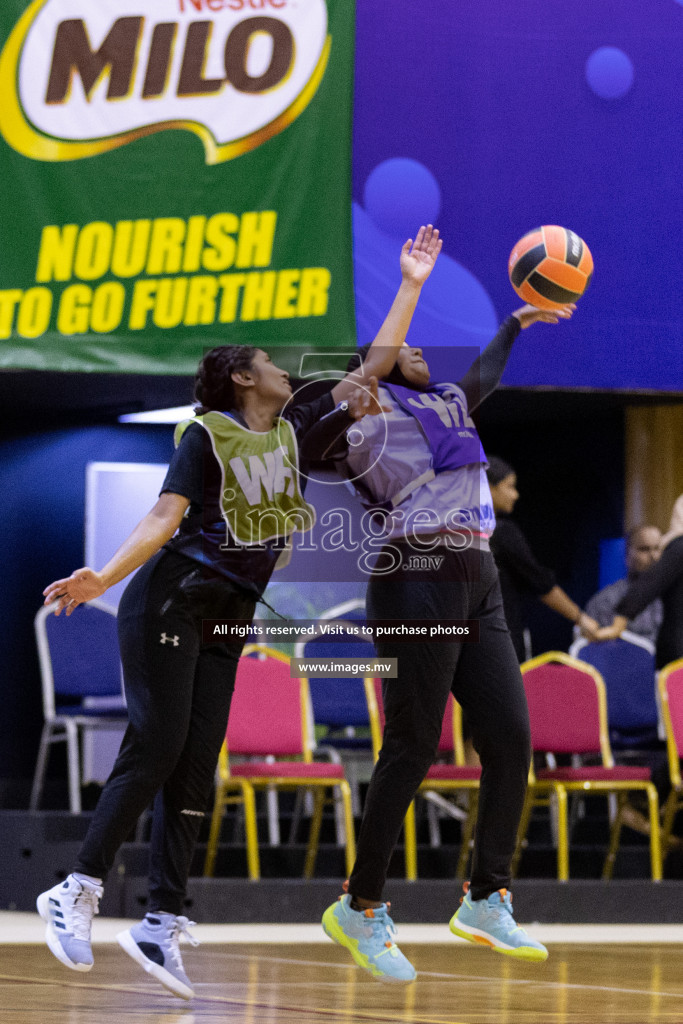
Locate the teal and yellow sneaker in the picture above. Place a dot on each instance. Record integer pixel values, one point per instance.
(369, 937)
(490, 923)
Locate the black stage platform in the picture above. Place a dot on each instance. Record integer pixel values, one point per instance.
(38, 850)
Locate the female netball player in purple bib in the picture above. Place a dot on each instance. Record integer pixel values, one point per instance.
(422, 467)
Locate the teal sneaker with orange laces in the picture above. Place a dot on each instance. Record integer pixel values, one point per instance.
(369, 937)
(490, 923)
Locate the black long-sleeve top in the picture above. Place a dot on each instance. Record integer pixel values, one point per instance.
(484, 375)
(663, 579)
(520, 575)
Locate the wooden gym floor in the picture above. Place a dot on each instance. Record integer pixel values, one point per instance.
(283, 974)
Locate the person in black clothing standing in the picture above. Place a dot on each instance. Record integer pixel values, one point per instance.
(235, 467)
(665, 580)
(521, 575)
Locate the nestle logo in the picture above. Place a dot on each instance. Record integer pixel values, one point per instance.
(230, 5)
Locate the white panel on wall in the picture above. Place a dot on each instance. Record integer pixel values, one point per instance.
(117, 496)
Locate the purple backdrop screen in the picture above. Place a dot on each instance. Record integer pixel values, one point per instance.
(492, 118)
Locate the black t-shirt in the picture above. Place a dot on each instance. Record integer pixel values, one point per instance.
(194, 472)
(520, 574)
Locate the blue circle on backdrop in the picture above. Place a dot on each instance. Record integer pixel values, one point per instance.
(609, 72)
(399, 194)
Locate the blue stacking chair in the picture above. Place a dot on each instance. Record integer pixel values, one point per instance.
(627, 666)
(82, 685)
(339, 704)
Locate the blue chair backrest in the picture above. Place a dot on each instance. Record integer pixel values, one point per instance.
(339, 702)
(629, 673)
(84, 652)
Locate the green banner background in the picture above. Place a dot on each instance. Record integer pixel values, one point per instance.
(302, 173)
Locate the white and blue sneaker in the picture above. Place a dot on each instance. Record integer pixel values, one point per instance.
(154, 945)
(68, 910)
(490, 923)
(369, 937)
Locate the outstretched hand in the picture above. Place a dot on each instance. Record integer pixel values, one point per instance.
(418, 257)
(528, 315)
(614, 630)
(82, 585)
(364, 401)
(589, 627)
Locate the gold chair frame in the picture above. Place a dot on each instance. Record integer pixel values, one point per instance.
(544, 788)
(231, 789)
(674, 801)
(439, 785)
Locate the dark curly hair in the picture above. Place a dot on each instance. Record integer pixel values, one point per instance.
(497, 470)
(395, 375)
(213, 386)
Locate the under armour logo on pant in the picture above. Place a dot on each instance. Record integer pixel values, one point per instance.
(175, 640)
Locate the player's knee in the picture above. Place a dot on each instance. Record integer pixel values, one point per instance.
(415, 746)
(507, 739)
(161, 759)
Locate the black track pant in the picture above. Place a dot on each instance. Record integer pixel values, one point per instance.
(484, 678)
(178, 692)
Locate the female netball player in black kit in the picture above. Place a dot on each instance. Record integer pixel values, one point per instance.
(178, 689)
(422, 464)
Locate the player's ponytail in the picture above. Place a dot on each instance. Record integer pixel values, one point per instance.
(214, 388)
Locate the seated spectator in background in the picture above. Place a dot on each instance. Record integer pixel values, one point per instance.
(520, 573)
(663, 579)
(642, 551)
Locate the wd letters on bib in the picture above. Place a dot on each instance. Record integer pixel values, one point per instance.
(258, 497)
(156, 158)
(406, 466)
(443, 418)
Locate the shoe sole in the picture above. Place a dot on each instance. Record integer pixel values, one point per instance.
(128, 943)
(518, 952)
(334, 931)
(52, 939)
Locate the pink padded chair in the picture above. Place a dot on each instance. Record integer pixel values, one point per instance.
(443, 777)
(269, 718)
(670, 685)
(568, 713)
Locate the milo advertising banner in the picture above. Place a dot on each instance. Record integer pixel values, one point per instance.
(175, 174)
